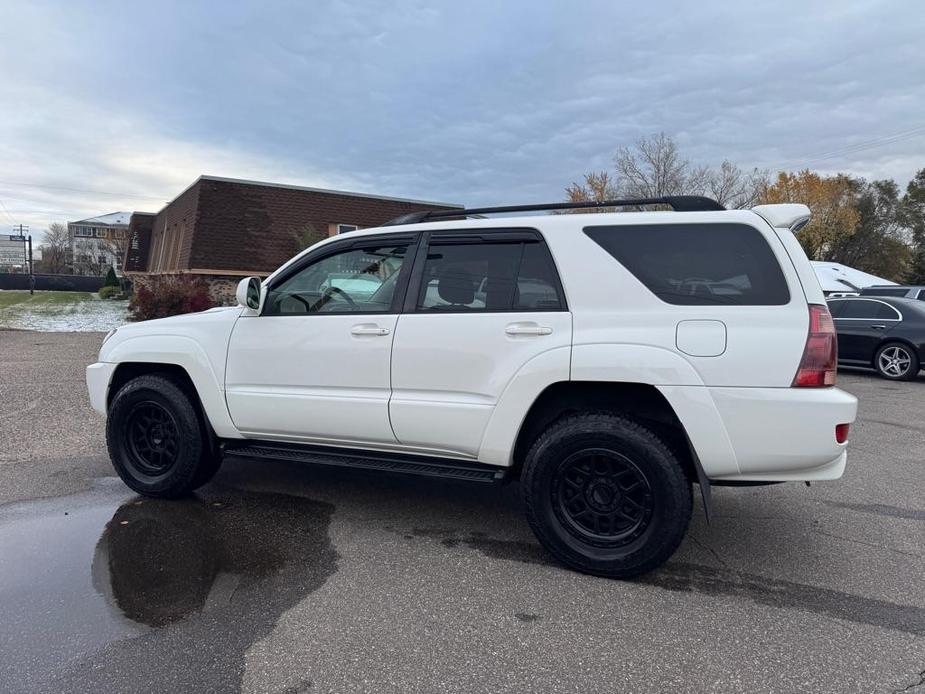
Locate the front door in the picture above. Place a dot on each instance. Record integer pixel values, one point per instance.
(481, 306)
(314, 365)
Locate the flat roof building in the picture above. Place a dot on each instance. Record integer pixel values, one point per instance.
(231, 227)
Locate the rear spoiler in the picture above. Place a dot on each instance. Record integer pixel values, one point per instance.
(784, 216)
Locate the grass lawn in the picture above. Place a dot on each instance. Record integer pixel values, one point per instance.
(59, 311)
(13, 297)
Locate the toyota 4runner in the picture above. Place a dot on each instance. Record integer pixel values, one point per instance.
(607, 361)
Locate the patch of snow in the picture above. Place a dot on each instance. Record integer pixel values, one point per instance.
(79, 317)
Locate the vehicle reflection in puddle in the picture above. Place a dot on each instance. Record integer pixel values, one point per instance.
(83, 577)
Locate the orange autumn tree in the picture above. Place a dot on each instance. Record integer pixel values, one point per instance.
(832, 200)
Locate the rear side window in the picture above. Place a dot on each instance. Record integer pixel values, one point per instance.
(463, 276)
(698, 264)
(868, 310)
(922, 294)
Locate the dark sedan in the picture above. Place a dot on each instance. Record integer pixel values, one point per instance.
(884, 333)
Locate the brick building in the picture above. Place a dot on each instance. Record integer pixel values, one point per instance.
(223, 229)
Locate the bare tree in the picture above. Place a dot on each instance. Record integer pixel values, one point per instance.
(734, 188)
(115, 245)
(56, 249)
(89, 257)
(653, 168)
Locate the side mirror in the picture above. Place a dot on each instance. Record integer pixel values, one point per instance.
(249, 293)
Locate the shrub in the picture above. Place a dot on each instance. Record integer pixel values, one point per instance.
(108, 292)
(111, 279)
(169, 296)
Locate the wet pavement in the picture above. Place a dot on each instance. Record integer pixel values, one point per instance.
(92, 580)
(286, 578)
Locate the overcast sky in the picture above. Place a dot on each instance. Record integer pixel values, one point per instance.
(110, 106)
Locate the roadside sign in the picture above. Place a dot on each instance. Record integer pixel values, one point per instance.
(12, 252)
(15, 237)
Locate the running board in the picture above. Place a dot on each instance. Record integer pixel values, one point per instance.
(369, 460)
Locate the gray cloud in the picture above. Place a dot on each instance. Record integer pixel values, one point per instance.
(476, 102)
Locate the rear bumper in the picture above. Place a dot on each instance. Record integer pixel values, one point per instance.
(98, 377)
(766, 434)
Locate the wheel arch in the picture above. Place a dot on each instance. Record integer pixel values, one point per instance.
(183, 361)
(640, 402)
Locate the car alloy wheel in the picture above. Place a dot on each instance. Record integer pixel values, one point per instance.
(894, 361)
(601, 497)
(153, 438)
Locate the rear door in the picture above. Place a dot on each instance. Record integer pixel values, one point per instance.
(480, 306)
(861, 325)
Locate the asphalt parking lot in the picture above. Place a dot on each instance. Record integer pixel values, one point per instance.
(285, 578)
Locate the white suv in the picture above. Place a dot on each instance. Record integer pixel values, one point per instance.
(608, 361)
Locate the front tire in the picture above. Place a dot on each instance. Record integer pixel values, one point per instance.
(605, 496)
(156, 439)
(897, 361)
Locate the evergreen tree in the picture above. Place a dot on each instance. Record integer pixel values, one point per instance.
(111, 279)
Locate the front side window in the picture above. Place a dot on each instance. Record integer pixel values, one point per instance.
(488, 276)
(356, 280)
(698, 264)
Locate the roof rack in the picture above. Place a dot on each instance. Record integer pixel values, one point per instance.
(679, 203)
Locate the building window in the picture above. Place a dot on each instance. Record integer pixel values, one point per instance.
(82, 231)
(344, 228)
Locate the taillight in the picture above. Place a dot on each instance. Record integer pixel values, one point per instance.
(817, 366)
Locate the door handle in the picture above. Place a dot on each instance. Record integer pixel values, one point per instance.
(369, 329)
(878, 327)
(527, 329)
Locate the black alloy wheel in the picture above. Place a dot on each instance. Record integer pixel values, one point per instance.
(602, 497)
(152, 437)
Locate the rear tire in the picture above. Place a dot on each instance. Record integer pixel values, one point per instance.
(897, 361)
(157, 442)
(605, 496)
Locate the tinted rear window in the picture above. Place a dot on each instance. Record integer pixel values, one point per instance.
(698, 264)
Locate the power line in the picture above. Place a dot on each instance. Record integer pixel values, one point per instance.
(80, 190)
(857, 147)
(9, 216)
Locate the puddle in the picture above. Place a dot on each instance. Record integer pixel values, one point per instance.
(104, 585)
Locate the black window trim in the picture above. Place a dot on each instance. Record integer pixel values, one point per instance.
(477, 236)
(413, 242)
(871, 299)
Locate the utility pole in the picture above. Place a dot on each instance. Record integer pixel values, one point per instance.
(31, 269)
